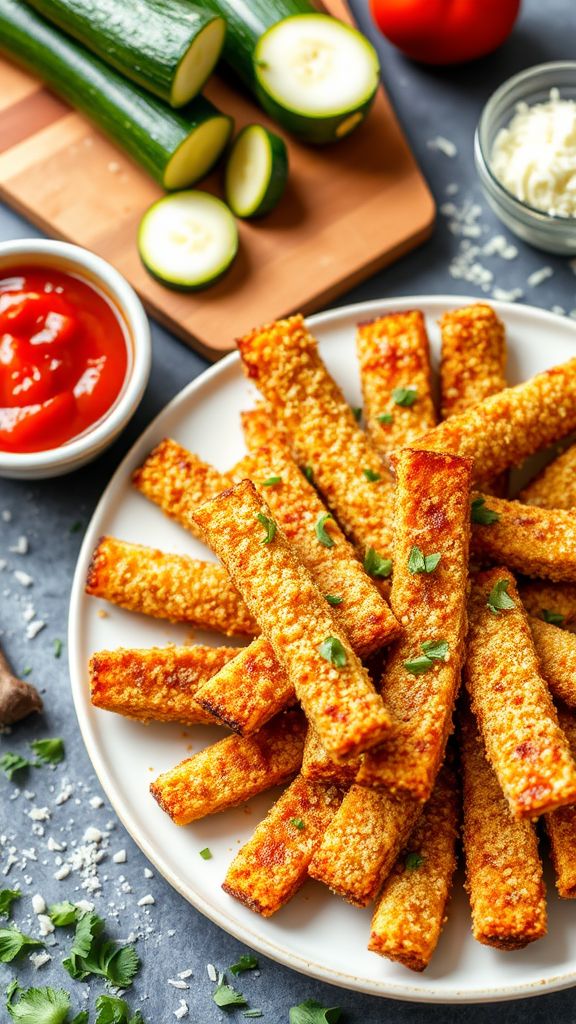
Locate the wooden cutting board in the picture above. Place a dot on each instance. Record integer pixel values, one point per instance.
(350, 208)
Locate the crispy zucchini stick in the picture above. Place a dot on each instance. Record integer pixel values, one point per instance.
(543, 600)
(319, 767)
(329, 680)
(511, 701)
(556, 650)
(362, 842)
(283, 361)
(273, 865)
(473, 358)
(561, 826)
(259, 428)
(394, 356)
(157, 683)
(178, 481)
(503, 869)
(555, 486)
(412, 908)
(232, 770)
(504, 429)
(432, 517)
(167, 586)
(534, 541)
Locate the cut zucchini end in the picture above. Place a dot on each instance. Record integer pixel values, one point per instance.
(318, 72)
(256, 172)
(198, 62)
(188, 240)
(198, 153)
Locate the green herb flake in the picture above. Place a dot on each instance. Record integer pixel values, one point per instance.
(554, 618)
(63, 914)
(245, 962)
(311, 1012)
(481, 514)
(371, 476)
(308, 473)
(297, 823)
(418, 666)
(7, 898)
(12, 942)
(252, 1013)
(377, 566)
(320, 530)
(404, 396)
(225, 995)
(26, 671)
(39, 1005)
(499, 599)
(357, 412)
(334, 599)
(436, 650)
(332, 650)
(93, 953)
(413, 861)
(77, 526)
(12, 763)
(418, 562)
(206, 853)
(50, 751)
(57, 647)
(269, 526)
(272, 481)
(113, 1010)
(385, 418)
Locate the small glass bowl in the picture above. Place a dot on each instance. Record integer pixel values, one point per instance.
(543, 230)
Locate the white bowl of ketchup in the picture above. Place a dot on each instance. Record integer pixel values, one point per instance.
(75, 357)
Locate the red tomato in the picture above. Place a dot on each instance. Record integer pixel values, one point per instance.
(445, 31)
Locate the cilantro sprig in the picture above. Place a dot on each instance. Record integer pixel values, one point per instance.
(499, 599)
(269, 527)
(332, 650)
(13, 942)
(312, 1012)
(320, 530)
(93, 953)
(432, 650)
(41, 1006)
(48, 751)
(245, 962)
(7, 898)
(405, 396)
(481, 514)
(377, 566)
(113, 1010)
(418, 562)
(226, 995)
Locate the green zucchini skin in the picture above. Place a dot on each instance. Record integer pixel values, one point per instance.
(143, 39)
(143, 126)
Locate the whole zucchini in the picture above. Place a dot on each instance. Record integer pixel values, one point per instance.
(169, 47)
(176, 148)
(313, 74)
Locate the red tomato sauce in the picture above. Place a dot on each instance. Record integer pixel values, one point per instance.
(63, 358)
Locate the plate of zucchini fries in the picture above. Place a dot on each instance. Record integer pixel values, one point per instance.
(322, 646)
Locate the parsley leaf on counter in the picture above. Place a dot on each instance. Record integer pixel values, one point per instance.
(7, 898)
(225, 995)
(320, 530)
(499, 599)
(12, 763)
(480, 513)
(50, 751)
(245, 962)
(375, 565)
(312, 1012)
(112, 1010)
(62, 914)
(40, 1005)
(91, 953)
(12, 942)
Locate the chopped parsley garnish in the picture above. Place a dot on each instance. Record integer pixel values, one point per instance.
(498, 599)
(298, 823)
(312, 1012)
(269, 526)
(320, 530)
(554, 618)
(432, 650)
(26, 671)
(385, 417)
(41, 1005)
(404, 396)
(12, 942)
(206, 853)
(225, 995)
(375, 565)
(332, 650)
(308, 473)
(480, 513)
(7, 898)
(419, 562)
(333, 599)
(357, 412)
(57, 647)
(413, 861)
(245, 962)
(112, 1010)
(63, 914)
(372, 476)
(50, 751)
(92, 953)
(272, 481)
(12, 763)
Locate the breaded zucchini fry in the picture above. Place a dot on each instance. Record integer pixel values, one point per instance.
(561, 826)
(362, 842)
(554, 602)
(556, 650)
(283, 361)
(232, 770)
(505, 428)
(329, 679)
(319, 767)
(503, 870)
(432, 519)
(394, 356)
(167, 586)
(412, 908)
(555, 486)
(321, 546)
(273, 865)
(157, 683)
(249, 690)
(511, 701)
(534, 541)
(178, 481)
(259, 428)
(473, 358)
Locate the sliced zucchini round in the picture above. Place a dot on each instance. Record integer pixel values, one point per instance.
(256, 172)
(316, 75)
(187, 240)
(209, 135)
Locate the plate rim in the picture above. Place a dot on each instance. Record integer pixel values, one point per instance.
(385, 989)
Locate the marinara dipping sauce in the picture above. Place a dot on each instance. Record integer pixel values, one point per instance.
(63, 358)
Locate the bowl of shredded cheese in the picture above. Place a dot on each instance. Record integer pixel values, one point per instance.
(525, 152)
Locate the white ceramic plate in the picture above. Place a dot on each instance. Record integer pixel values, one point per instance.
(316, 933)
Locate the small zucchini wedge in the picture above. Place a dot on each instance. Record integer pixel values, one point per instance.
(256, 172)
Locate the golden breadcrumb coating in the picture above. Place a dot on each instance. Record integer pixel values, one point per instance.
(512, 703)
(156, 683)
(555, 486)
(273, 865)
(544, 599)
(433, 515)
(362, 842)
(319, 767)
(232, 770)
(473, 364)
(533, 541)
(249, 690)
(561, 826)
(335, 569)
(260, 428)
(412, 908)
(329, 679)
(167, 586)
(283, 361)
(178, 481)
(504, 429)
(556, 650)
(503, 869)
(394, 353)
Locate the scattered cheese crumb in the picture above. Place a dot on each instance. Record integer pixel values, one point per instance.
(182, 1010)
(23, 578)
(33, 628)
(186, 974)
(6, 515)
(119, 857)
(21, 546)
(146, 901)
(62, 873)
(38, 904)
(443, 145)
(148, 873)
(46, 925)
(64, 794)
(92, 835)
(177, 984)
(39, 959)
(39, 814)
(212, 972)
(95, 802)
(502, 295)
(54, 845)
(539, 276)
